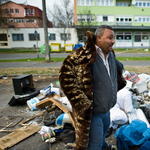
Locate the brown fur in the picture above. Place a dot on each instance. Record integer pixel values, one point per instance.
(76, 82)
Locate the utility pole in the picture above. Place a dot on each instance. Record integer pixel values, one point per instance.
(47, 54)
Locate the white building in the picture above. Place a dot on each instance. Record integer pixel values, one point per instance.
(24, 37)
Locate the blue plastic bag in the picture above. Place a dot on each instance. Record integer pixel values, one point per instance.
(136, 133)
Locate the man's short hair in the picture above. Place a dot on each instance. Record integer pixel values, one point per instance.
(100, 30)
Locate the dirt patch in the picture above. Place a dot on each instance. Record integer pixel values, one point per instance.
(138, 69)
(19, 71)
(54, 71)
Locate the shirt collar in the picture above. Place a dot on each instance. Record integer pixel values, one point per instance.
(100, 52)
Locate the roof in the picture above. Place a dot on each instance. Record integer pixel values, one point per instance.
(118, 27)
(24, 6)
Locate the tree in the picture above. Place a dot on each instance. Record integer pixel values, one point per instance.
(62, 16)
(86, 21)
(4, 13)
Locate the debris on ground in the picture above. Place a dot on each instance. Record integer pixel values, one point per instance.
(52, 115)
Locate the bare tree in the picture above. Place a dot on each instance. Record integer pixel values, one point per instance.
(4, 13)
(86, 21)
(62, 17)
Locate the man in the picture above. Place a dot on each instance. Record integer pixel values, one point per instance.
(88, 77)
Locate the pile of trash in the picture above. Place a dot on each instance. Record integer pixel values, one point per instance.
(130, 117)
(131, 114)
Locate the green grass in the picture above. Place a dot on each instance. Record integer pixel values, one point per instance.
(133, 50)
(133, 58)
(59, 59)
(56, 59)
(23, 51)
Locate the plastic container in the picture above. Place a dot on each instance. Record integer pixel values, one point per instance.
(141, 87)
(55, 47)
(68, 47)
(32, 103)
(56, 90)
(43, 49)
(45, 91)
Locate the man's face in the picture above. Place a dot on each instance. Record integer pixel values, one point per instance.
(106, 41)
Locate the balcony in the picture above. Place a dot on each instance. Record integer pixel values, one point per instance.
(123, 23)
(107, 23)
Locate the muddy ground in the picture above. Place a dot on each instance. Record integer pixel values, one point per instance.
(16, 113)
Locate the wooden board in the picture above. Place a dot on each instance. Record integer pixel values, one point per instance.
(18, 135)
(63, 108)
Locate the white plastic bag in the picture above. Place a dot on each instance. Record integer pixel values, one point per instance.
(124, 100)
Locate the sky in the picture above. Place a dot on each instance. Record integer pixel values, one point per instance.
(38, 3)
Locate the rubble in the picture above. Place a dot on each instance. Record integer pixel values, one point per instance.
(53, 112)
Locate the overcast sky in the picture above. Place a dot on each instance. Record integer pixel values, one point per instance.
(38, 3)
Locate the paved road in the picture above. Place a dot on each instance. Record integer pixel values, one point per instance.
(22, 56)
(58, 64)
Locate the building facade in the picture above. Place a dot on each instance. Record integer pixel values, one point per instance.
(22, 16)
(130, 20)
(19, 26)
(25, 37)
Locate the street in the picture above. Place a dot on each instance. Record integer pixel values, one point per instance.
(52, 55)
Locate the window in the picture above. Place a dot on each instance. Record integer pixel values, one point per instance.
(121, 19)
(105, 18)
(19, 20)
(144, 19)
(65, 36)
(137, 38)
(144, 4)
(31, 20)
(124, 36)
(3, 37)
(136, 4)
(140, 4)
(130, 19)
(119, 37)
(85, 18)
(27, 11)
(141, 36)
(52, 36)
(120, 4)
(32, 11)
(107, 3)
(33, 38)
(111, 3)
(9, 20)
(6, 11)
(85, 2)
(123, 4)
(16, 10)
(148, 4)
(98, 2)
(17, 37)
(102, 3)
(11, 11)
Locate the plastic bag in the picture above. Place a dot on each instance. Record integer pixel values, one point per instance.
(133, 77)
(135, 133)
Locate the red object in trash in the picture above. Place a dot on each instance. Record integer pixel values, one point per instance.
(133, 77)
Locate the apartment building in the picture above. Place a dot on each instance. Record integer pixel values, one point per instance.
(22, 16)
(130, 20)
